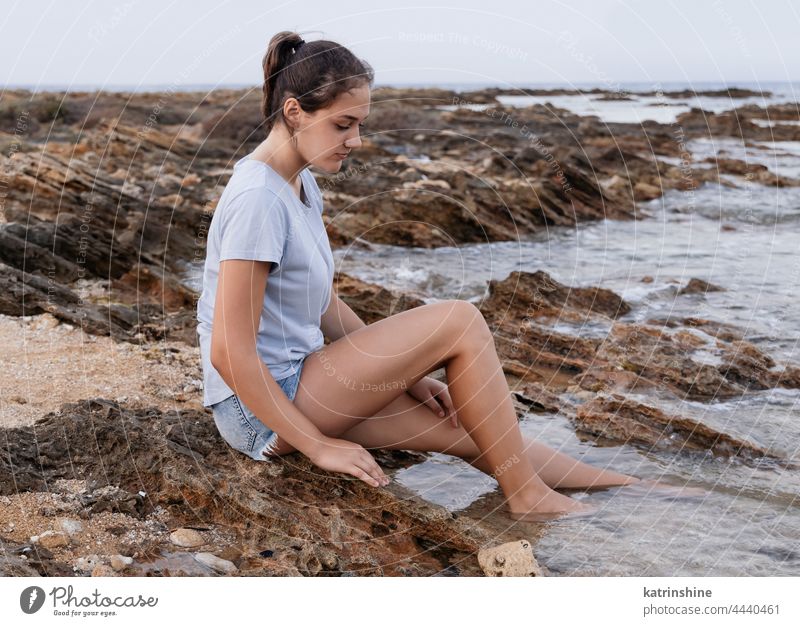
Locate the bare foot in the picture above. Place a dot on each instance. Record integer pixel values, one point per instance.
(550, 506)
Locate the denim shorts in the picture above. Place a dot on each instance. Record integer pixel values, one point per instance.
(242, 430)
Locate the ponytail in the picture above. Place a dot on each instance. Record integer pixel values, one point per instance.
(314, 72)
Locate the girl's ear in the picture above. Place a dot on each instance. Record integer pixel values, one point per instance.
(292, 113)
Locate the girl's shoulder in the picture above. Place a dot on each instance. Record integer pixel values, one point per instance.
(249, 184)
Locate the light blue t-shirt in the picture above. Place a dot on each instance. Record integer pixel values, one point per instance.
(259, 216)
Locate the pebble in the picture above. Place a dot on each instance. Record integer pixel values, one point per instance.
(119, 562)
(217, 564)
(71, 526)
(186, 538)
(86, 563)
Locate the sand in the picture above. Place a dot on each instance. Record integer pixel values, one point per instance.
(47, 363)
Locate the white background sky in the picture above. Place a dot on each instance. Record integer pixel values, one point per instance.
(210, 42)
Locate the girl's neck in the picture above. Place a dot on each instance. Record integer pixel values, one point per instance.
(277, 152)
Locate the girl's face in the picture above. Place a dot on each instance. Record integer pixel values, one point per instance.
(329, 134)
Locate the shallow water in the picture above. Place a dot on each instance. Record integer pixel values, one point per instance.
(749, 523)
(642, 108)
(743, 239)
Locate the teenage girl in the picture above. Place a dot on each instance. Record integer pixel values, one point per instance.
(268, 300)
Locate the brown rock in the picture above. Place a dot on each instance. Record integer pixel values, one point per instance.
(52, 539)
(313, 522)
(620, 419)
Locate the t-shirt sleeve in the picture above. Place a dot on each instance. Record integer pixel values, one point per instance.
(254, 226)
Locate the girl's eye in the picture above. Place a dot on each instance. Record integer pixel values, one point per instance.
(340, 127)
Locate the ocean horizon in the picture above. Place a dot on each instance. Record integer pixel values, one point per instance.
(609, 85)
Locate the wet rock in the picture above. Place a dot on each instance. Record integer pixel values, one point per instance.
(618, 419)
(737, 123)
(696, 285)
(655, 355)
(514, 558)
(538, 294)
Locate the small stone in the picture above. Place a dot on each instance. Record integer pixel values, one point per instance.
(5, 500)
(186, 538)
(217, 564)
(46, 511)
(120, 562)
(71, 526)
(86, 563)
(51, 539)
(103, 570)
(514, 558)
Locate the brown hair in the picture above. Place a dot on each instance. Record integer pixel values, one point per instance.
(314, 72)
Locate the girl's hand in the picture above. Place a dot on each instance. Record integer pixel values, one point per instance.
(435, 395)
(348, 457)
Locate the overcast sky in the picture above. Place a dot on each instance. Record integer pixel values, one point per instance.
(214, 42)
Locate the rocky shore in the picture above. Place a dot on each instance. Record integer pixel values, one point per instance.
(111, 466)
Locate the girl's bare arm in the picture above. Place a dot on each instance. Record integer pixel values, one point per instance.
(237, 311)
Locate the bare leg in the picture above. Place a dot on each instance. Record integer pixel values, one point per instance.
(354, 377)
(559, 470)
(482, 399)
(406, 424)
